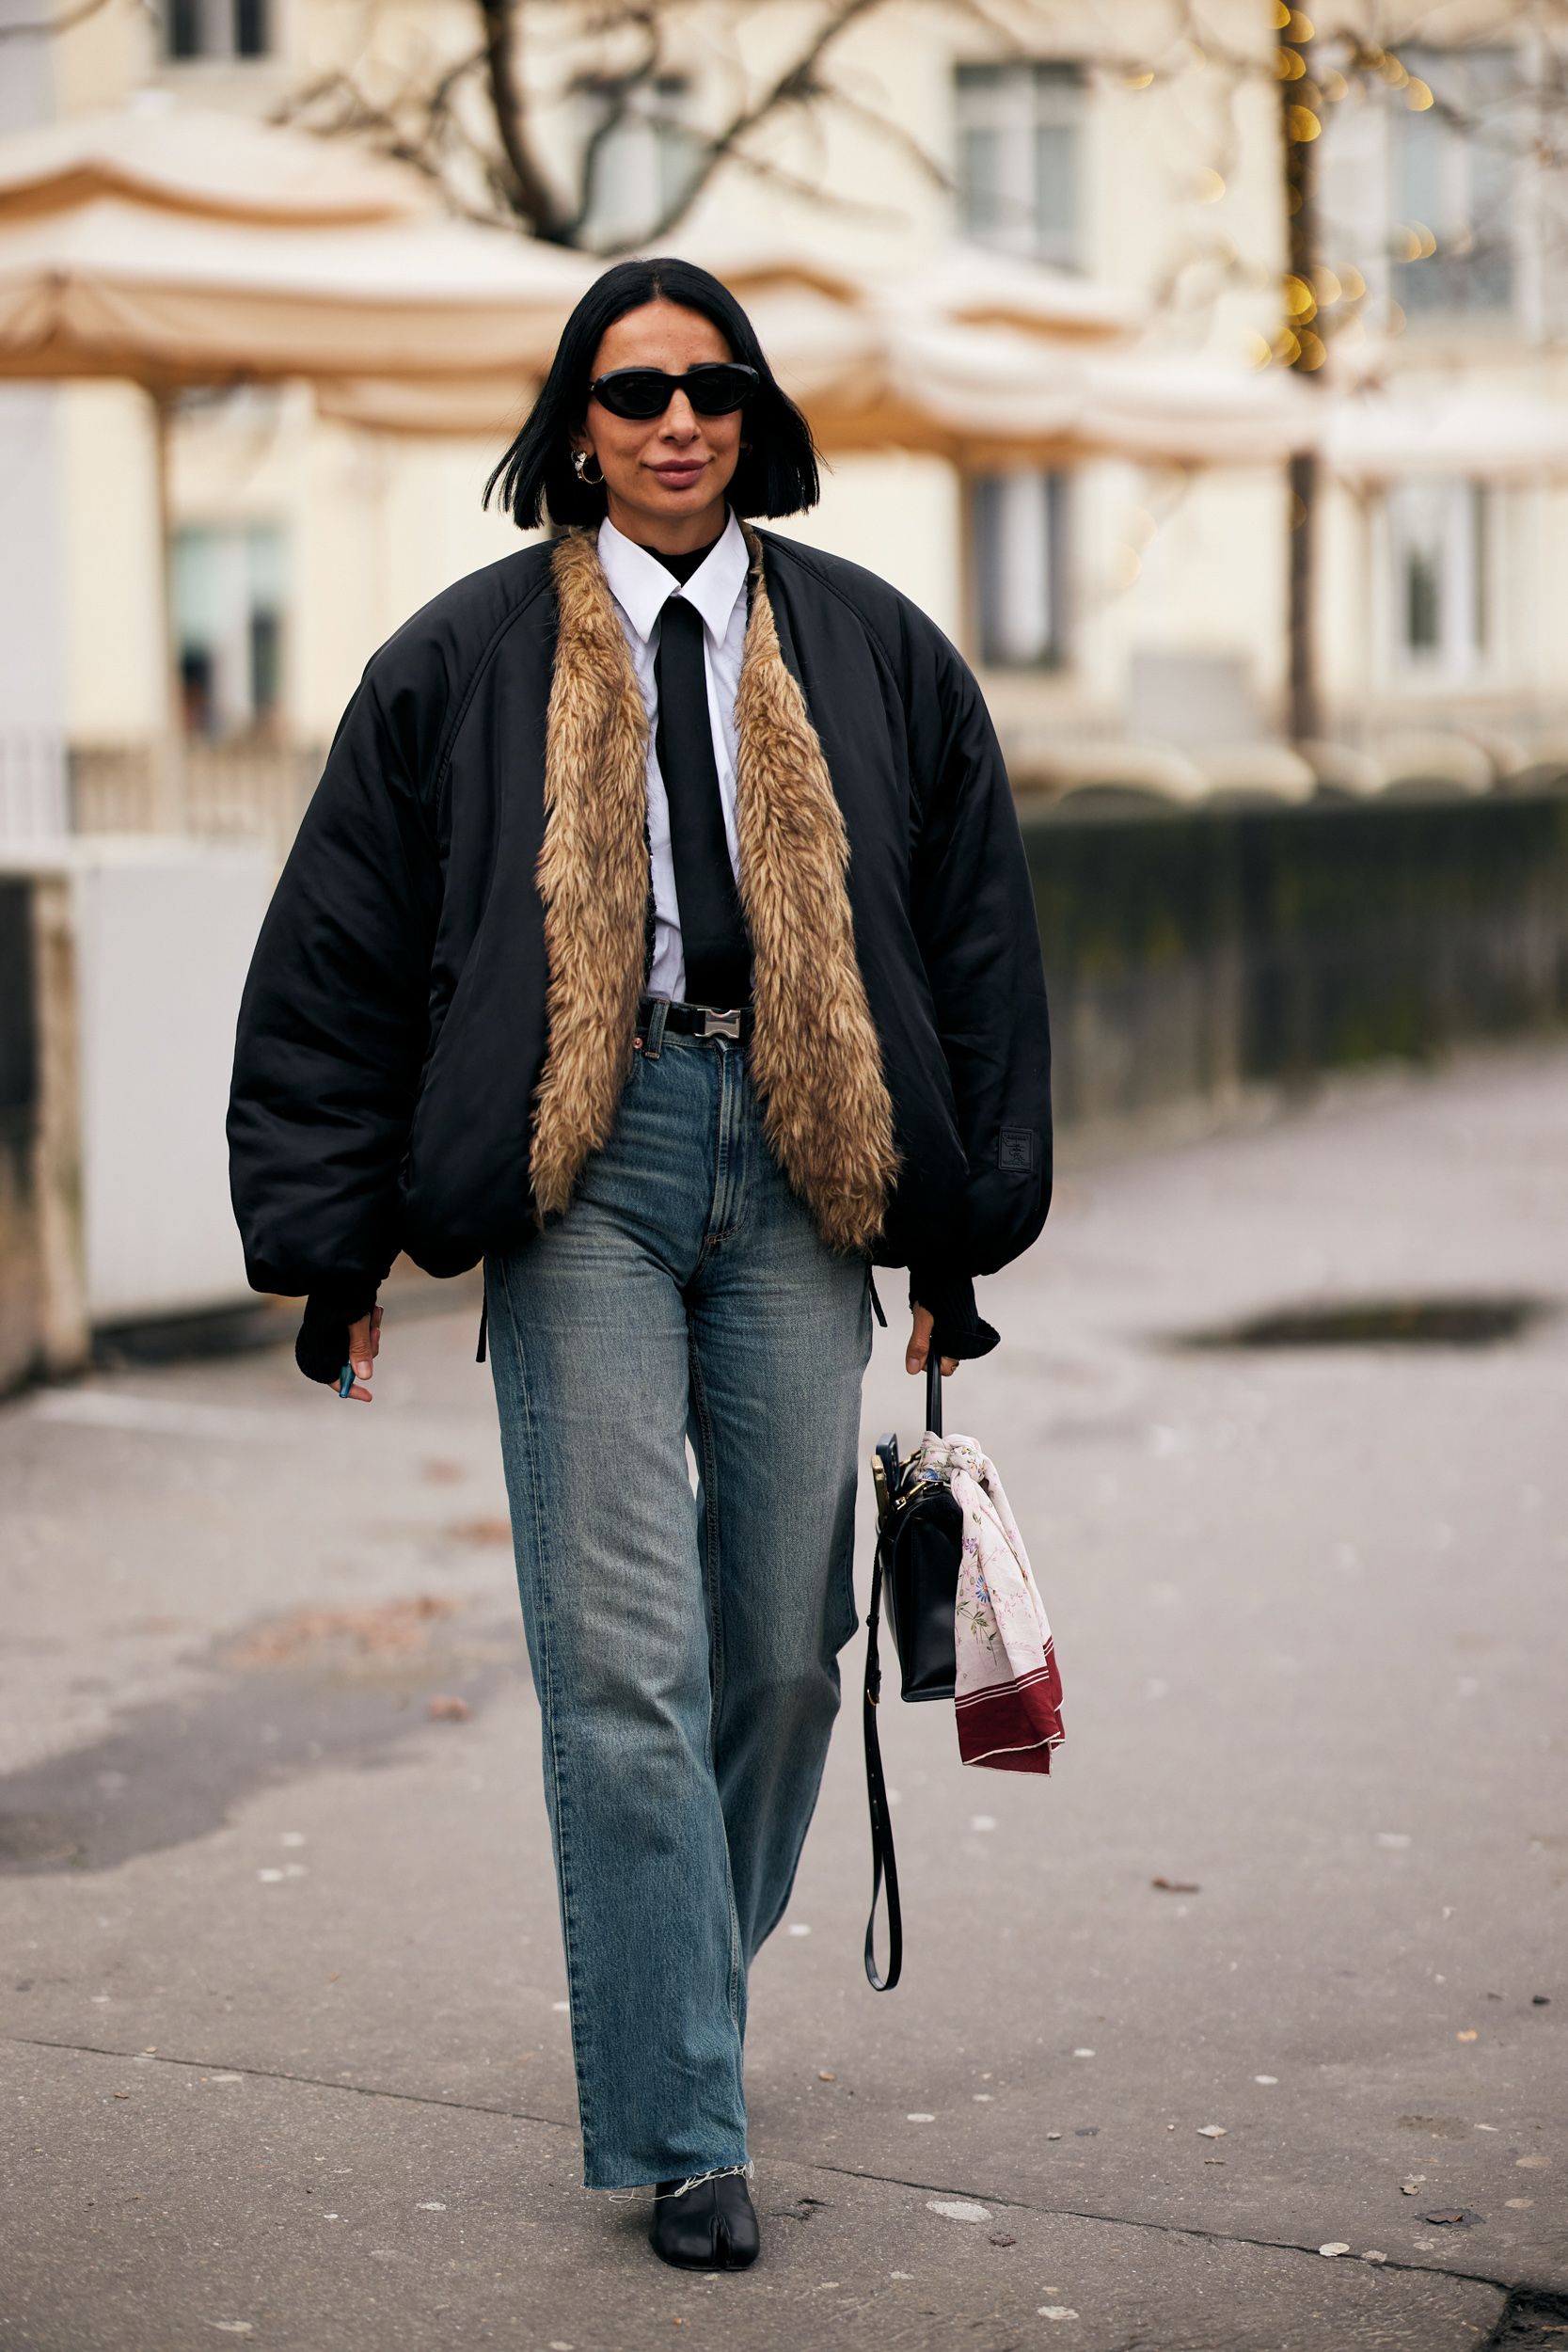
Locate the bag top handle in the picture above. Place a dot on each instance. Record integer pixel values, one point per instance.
(933, 1389)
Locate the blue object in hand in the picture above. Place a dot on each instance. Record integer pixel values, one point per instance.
(345, 1380)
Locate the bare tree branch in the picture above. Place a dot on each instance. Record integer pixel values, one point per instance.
(470, 128)
(895, 133)
(826, 200)
(532, 194)
(429, 127)
(799, 86)
(334, 106)
(616, 93)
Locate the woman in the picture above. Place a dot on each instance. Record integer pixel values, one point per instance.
(660, 932)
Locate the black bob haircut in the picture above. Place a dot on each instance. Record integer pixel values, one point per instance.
(777, 472)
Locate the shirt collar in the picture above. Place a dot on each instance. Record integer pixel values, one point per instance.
(642, 586)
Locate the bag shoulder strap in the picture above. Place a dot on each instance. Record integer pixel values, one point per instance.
(883, 1864)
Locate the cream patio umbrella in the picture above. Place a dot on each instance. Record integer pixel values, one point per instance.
(993, 363)
(191, 161)
(1470, 430)
(414, 324)
(182, 250)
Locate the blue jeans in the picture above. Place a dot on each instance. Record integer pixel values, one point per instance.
(683, 1648)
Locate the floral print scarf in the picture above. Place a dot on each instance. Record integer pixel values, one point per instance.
(1009, 1694)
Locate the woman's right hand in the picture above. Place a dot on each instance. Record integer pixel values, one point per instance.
(364, 1346)
(919, 1348)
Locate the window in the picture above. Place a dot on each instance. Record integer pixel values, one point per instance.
(1438, 534)
(1018, 158)
(1018, 547)
(218, 28)
(643, 168)
(1454, 185)
(229, 620)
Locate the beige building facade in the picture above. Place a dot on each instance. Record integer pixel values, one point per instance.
(1126, 621)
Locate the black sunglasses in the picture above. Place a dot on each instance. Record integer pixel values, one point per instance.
(716, 389)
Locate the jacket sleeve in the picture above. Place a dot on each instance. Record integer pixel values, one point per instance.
(973, 907)
(335, 1016)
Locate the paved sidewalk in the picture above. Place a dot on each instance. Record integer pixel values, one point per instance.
(284, 2045)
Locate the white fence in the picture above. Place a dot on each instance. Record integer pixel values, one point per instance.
(35, 802)
(147, 981)
(219, 791)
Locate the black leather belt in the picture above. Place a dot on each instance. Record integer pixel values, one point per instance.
(695, 1020)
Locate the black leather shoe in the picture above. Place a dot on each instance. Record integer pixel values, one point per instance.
(710, 2227)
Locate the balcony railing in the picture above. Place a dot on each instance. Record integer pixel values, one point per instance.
(255, 792)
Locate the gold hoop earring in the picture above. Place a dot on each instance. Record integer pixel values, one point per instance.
(580, 466)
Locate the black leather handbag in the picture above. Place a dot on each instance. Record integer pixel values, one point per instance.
(919, 1550)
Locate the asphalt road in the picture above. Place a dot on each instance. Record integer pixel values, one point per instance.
(1272, 1962)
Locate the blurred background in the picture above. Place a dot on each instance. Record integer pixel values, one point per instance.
(1200, 372)
(1203, 371)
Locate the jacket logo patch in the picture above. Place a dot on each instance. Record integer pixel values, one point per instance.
(1015, 1150)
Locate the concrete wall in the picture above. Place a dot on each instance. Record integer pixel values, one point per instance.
(117, 685)
(165, 931)
(114, 1185)
(33, 575)
(43, 1322)
(1190, 956)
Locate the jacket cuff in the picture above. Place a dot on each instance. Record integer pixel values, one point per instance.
(321, 1351)
(960, 1330)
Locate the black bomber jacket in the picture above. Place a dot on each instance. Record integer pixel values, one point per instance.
(394, 1022)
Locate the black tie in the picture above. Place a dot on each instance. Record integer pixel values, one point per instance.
(713, 931)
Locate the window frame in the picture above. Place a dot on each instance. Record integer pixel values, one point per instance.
(1463, 648)
(225, 32)
(1017, 103)
(658, 145)
(1055, 654)
(254, 551)
(1449, 287)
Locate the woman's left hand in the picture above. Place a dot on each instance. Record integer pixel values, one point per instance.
(919, 1347)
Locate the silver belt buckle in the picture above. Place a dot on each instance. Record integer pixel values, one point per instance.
(722, 1024)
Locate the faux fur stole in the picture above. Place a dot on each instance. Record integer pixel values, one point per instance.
(815, 1058)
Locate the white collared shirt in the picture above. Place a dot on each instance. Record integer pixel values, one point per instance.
(641, 587)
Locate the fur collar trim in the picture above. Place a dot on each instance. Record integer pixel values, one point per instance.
(814, 1054)
(593, 875)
